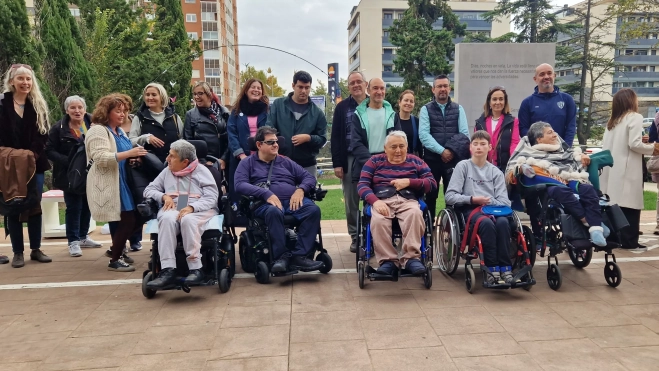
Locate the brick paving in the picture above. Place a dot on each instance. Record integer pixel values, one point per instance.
(325, 322)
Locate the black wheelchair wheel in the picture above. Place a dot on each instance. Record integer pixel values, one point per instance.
(262, 273)
(470, 278)
(225, 280)
(612, 274)
(147, 292)
(529, 238)
(554, 277)
(360, 239)
(582, 259)
(242, 246)
(327, 261)
(361, 273)
(427, 276)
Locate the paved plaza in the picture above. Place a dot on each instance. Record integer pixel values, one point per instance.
(101, 321)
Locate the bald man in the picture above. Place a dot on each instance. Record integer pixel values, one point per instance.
(548, 104)
(373, 120)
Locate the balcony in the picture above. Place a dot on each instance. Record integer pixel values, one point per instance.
(353, 33)
(388, 58)
(472, 24)
(353, 49)
(354, 65)
(637, 59)
(642, 92)
(560, 80)
(635, 76)
(386, 41)
(386, 23)
(646, 43)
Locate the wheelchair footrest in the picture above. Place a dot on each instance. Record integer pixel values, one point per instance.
(283, 274)
(608, 248)
(373, 275)
(530, 282)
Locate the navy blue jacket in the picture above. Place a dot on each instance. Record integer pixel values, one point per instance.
(654, 136)
(238, 129)
(286, 177)
(557, 109)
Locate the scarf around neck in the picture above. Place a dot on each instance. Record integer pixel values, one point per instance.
(560, 163)
(214, 112)
(252, 109)
(188, 170)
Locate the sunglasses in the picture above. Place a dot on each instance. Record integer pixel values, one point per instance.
(502, 88)
(17, 66)
(270, 142)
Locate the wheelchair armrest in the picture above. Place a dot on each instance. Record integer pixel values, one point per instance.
(149, 208)
(317, 194)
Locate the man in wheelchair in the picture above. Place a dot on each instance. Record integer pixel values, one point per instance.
(477, 183)
(392, 184)
(542, 159)
(281, 184)
(188, 195)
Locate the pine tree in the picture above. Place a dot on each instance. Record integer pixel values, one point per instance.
(536, 19)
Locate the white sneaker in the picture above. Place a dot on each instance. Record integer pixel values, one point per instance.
(74, 249)
(88, 242)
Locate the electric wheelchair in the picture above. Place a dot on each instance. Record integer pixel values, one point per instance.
(217, 240)
(254, 245)
(365, 249)
(561, 231)
(453, 240)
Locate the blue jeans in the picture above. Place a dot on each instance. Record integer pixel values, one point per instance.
(76, 217)
(15, 227)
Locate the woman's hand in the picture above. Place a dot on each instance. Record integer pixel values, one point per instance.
(154, 141)
(137, 152)
(645, 138)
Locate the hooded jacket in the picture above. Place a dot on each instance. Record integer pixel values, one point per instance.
(360, 135)
(555, 108)
(58, 148)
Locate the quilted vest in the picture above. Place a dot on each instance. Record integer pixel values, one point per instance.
(442, 126)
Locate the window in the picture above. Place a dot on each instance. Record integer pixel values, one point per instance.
(212, 72)
(75, 12)
(191, 18)
(210, 35)
(651, 68)
(385, 33)
(401, 15)
(388, 51)
(208, 16)
(388, 68)
(212, 54)
(641, 52)
(195, 74)
(193, 36)
(639, 69)
(388, 16)
(629, 52)
(653, 52)
(150, 16)
(190, 1)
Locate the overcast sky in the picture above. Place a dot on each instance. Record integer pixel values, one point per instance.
(315, 30)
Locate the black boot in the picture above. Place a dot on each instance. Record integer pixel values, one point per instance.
(195, 277)
(167, 277)
(281, 265)
(304, 264)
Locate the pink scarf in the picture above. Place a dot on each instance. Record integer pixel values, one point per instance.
(188, 170)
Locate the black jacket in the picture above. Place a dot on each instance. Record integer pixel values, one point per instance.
(200, 127)
(58, 147)
(459, 145)
(169, 131)
(414, 145)
(504, 140)
(342, 132)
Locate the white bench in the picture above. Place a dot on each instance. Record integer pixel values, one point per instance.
(51, 227)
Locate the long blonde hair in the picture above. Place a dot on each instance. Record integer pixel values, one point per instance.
(35, 96)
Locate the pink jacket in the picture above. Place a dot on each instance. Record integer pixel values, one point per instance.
(514, 140)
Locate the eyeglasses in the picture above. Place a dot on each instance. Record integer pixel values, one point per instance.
(270, 142)
(17, 66)
(353, 83)
(502, 88)
(198, 94)
(446, 86)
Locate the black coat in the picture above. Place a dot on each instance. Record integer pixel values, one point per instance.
(58, 148)
(140, 174)
(200, 127)
(459, 145)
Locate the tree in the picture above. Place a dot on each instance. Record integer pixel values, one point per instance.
(65, 69)
(122, 13)
(535, 19)
(320, 89)
(424, 51)
(272, 88)
(97, 47)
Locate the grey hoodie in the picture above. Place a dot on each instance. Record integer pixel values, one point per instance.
(470, 180)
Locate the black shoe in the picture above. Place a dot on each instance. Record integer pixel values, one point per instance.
(415, 267)
(127, 258)
(195, 277)
(304, 264)
(4, 259)
(167, 277)
(387, 268)
(280, 265)
(39, 256)
(353, 248)
(120, 266)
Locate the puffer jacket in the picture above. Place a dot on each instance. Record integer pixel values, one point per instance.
(459, 145)
(201, 127)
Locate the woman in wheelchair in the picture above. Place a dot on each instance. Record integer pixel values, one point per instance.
(188, 195)
(542, 159)
(476, 183)
(392, 184)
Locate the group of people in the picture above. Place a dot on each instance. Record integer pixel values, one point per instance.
(388, 159)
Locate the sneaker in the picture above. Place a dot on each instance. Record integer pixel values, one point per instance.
(304, 264)
(280, 265)
(494, 278)
(167, 277)
(4, 259)
(353, 247)
(415, 267)
(136, 246)
(39, 256)
(387, 268)
(195, 277)
(74, 249)
(108, 253)
(507, 275)
(18, 261)
(125, 257)
(120, 266)
(656, 230)
(88, 242)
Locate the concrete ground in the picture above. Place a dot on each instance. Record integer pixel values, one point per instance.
(73, 314)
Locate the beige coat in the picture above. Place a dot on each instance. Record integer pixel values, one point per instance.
(624, 181)
(103, 178)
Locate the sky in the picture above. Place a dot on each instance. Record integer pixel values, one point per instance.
(315, 30)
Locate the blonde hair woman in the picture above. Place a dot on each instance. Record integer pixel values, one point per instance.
(24, 125)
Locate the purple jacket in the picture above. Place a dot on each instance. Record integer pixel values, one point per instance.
(286, 177)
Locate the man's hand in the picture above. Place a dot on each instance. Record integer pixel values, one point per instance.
(296, 199)
(168, 203)
(480, 200)
(185, 211)
(156, 142)
(381, 207)
(338, 171)
(300, 138)
(447, 155)
(585, 160)
(400, 183)
(274, 201)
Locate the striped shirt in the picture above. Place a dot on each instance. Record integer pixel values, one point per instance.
(378, 172)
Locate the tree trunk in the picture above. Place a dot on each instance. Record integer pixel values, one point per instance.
(533, 37)
(581, 130)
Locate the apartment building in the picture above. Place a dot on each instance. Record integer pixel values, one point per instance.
(371, 51)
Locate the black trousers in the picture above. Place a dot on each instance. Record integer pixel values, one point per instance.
(495, 238)
(130, 223)
(439, 170)
(629, 235)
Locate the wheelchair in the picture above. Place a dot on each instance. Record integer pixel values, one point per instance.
(254, 242)
(365, 249)
(561, 231)
(217, 242)
(453, 241)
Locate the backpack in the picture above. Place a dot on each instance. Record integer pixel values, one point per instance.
(78, 169)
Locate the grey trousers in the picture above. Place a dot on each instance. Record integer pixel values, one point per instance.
(190, 227)
(351, 200)
(313, 170)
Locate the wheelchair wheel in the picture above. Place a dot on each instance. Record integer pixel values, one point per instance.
(427, 277)
(612, 274)
(361, 240)
(262, 273)
(580, 260)
(361, 273)
(225, 280)
(530, 244)
(554, 277)
(327, 260)
(147, 292)
(446, 243)
(470, 278)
